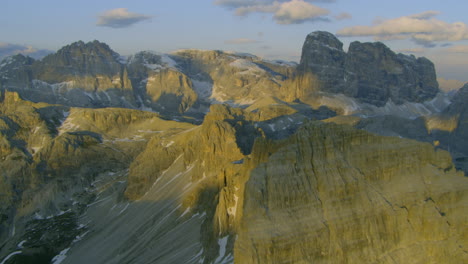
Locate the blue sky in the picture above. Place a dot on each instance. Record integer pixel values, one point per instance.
(272, 29)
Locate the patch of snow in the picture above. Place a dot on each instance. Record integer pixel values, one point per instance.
(282, 63)
(60, 257)
(203, 89)
(154, 67)
(135, 138)
(168, 61)
(98, 201)
(122, 59)
(37, 216)
(20, 245)
(65, 114)
(9, 256)
(62, 85)
(107, 95)
(246, 65)
(59, 214)
(185, 212)
(150, 131)
(439, 103)
(272, 126)
(90, 95)
(80, 237)
(242, 54)
(222, 242)
(125, 208)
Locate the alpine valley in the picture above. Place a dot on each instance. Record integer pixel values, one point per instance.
(220, 157)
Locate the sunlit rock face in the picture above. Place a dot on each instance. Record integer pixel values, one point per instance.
(370, 72)
(120, 181)
(233, 77)
(332, 194)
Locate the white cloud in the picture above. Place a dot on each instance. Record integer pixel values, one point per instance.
(283, 11)
(241, 41)
(297, 12)
(424, 29)
(120, 18)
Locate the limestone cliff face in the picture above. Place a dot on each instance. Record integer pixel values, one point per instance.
(370, 72)
(331, 194)
(328, 193)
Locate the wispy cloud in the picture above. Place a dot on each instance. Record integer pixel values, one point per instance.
(241, 41)
(413, 50)
(343, 16)
(458, 49)
(7, 49)
(284, 11)
(423, 28)
(120, 18)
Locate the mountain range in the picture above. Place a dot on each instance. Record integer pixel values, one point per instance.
(221, 157)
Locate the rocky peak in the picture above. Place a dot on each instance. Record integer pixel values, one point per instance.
(321, 48)
(323, 55)
(15, 61)
(83, 58)
(324, 39)
(370, 72)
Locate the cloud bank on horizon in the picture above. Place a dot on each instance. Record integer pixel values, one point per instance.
(120, 18)
(285, 12)
(7, 49)
(241, 41)
(423, 29)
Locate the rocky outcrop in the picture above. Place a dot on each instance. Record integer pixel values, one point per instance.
(370, 72)
(230, 77)
(80, 59)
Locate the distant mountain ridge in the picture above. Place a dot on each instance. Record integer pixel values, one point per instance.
(218, 157)
(93, 75)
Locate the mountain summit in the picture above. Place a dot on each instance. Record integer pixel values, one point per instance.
(370, 72)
